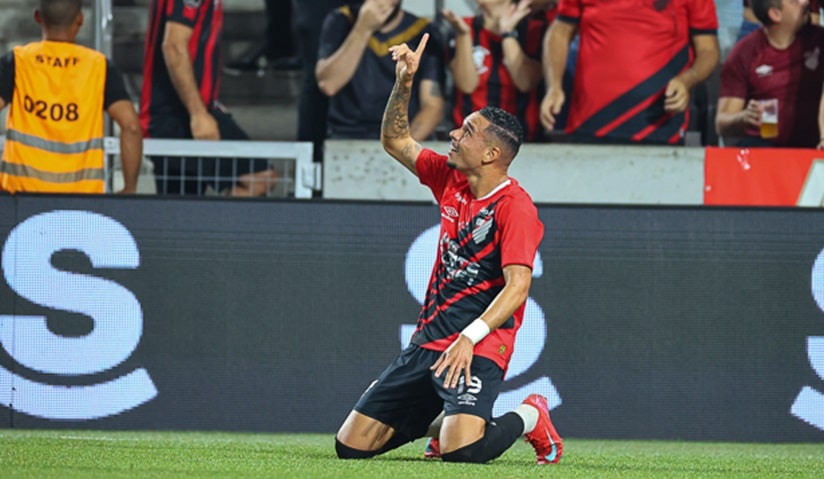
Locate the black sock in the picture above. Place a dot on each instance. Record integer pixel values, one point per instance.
(500, 434)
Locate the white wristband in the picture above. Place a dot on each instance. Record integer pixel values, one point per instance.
(476, 331)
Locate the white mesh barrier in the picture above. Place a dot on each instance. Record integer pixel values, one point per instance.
(284, 169)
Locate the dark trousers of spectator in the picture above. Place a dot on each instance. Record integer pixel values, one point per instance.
(279, 41)
(313, 106)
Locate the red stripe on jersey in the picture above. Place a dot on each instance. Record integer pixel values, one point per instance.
(624, 44)
(496, 86)
(155, 20)
(190, 12)
(626, 115)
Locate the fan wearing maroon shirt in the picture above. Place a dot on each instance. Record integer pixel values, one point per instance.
(475, 301)
(751, 23)
(496, 59)
(783, 60)
(638, 61)
(179, 99)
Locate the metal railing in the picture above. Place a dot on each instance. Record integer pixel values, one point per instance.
(297, 175)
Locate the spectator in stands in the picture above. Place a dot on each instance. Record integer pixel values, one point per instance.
(782, 61)
(181, 75)
(496, 60)
(313, 105)
(637, 63)
(277, 50)
(57, 92)
(750, 23)
(355, 69)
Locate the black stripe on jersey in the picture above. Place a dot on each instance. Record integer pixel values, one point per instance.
(445, 288)
(703, 31)
(633, 97)
(568, 19)
(646, 117)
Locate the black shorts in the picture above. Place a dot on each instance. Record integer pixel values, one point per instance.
(408, 396)
(191, 176)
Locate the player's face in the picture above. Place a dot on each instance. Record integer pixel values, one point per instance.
(468, 143)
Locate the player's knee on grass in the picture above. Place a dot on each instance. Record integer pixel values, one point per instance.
(475, 453)
(346, 452)
(499, 435)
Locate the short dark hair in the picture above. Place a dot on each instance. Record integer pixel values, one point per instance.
(505, 127)
(59, 13)
(761, 9)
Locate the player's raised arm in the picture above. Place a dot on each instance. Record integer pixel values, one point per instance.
(395, 136)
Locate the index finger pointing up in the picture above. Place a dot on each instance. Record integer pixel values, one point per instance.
(422, 45)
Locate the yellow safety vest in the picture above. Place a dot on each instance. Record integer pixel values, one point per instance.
(54, 129)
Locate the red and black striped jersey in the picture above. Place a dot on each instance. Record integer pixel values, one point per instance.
(629, 51)
(205, 18)
(496, 86)
(478, 238)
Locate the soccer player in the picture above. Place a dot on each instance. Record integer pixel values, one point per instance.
(58, 92)
(475, 302)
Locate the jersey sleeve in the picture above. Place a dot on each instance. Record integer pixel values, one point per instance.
(185, 12)
(335, 29)
(570, 11)
(115, 89)
(531, 32)
(703, 17)
(521, 231)
(7, 77)
(433, 171)
(734, 73)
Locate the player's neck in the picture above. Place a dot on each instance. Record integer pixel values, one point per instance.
(482, 187)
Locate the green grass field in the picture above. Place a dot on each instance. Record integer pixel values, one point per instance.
(96, 454)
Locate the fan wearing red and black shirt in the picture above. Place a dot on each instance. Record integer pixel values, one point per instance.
(496, 60)
(638, 61)
(456, 360)
(179, 99)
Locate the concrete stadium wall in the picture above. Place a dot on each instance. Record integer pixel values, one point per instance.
(551, 173)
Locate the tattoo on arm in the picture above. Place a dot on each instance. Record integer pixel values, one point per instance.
(396, 117)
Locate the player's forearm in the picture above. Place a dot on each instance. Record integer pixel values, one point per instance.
(395, 134)
(181, 72)
(335, 71)
(511, 297)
